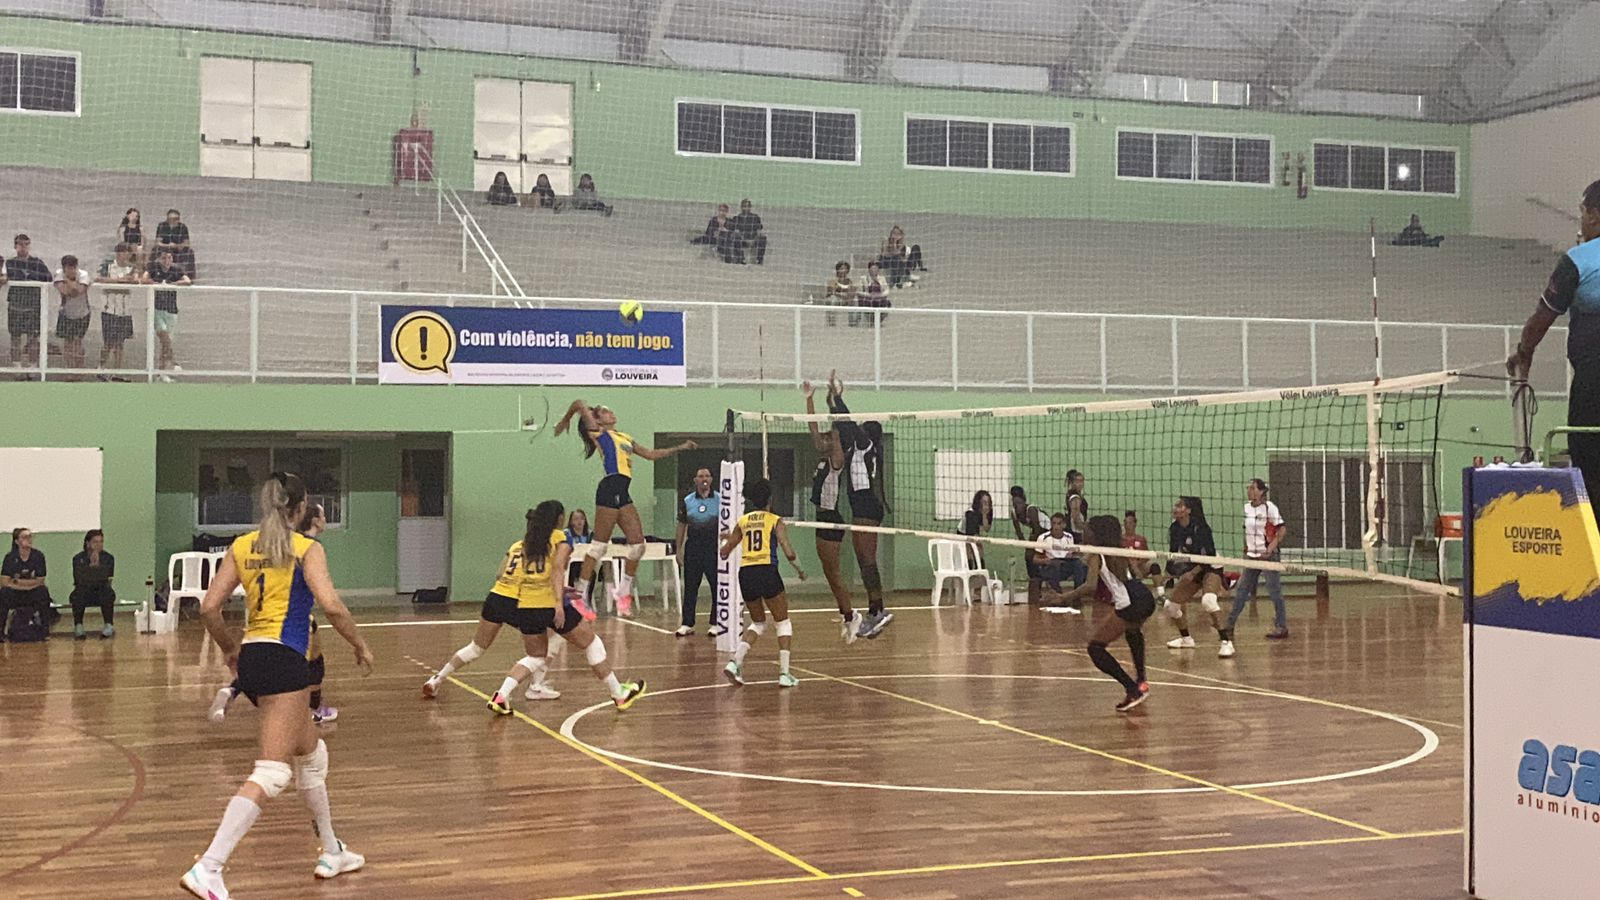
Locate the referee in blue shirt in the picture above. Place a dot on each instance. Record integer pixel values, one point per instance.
(1574, 291)
(697, 545)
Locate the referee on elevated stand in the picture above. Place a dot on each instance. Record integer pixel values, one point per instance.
(1574, 290)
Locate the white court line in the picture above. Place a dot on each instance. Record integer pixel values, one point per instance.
(638, 624)
(1430, 743)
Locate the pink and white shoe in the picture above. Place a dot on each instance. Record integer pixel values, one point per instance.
(574, 599)
(625, 605)
(204, 883)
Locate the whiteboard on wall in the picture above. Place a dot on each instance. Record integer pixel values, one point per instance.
(958, 474)
(49, 489)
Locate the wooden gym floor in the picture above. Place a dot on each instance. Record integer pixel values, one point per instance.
(965, 753)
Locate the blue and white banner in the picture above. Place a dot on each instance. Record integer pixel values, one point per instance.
(481, 345)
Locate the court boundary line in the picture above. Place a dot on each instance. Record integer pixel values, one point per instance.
(1013, 863)
(1114, 757)
(680, 800)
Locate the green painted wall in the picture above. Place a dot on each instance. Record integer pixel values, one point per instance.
(625, 132)
(150, 434)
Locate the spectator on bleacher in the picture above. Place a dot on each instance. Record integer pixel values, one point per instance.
(748, 237)
(131, 232)
(543, 195)
(173, 236)
(22, 574)
(166, 271)
(116, 322)
(718, 233)
(92, 571)
(901, 262)
(72, 321)
(587, 197)
(1413, 235)
(24, 304)
(874, 295)
(841, 289)
(500, 192)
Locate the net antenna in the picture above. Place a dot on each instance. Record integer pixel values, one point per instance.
(1329, 452)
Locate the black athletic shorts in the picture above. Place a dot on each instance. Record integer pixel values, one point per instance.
(613, 492)
(831, 535)
(268, 667)
(115, 329)
(865, 505)
(22, 318)
(71, 329)
(1142, 604)
(503, 610)
(758, 583)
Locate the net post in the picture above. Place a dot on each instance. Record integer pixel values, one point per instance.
(728, 431)
(1369, 540)
(1029, 321)
(765, 472)
(255, 335)
(1174, 331)
(716, 358)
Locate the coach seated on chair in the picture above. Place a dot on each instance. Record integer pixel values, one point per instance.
(22, 580)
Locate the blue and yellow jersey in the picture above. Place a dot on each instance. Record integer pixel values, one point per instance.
(278, 603)
(616, 452)
(760, 544)
(529, 583)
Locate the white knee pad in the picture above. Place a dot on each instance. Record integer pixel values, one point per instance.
(785, 628)
(470, 652)
(635, 552)
(757, 628)
(311, 770)
(271, 776)
(1208, 602)
(1173, 610)
(531, 663)
(595, 550)
(595, 653)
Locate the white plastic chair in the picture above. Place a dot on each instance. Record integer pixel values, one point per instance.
(654, 552)
(952, 559)
(191, 575)
(216, 566)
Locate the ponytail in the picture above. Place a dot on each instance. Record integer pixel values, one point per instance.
(281, 495)
(542, 520)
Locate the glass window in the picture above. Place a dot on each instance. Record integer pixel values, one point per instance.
(792, 133)
(1439, 171)
(1013, 147)
(926, 142)
(836, 137)
(1252, 161)
(699, 128)
(228, 482)
(1367, 168)
(969, 145)
(1136, 154)
(744, 130)
(322, 469)
(1405, 169)
(1213, 158)
(1052, 149)
(1175, 156)
(49, 83)
(422, 483)
(1331, 166)
(8, 81)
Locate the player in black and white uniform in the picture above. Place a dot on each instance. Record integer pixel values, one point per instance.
(827, 489)
(1190, 535)
(1029, 522)
(863, 447)
(1114, 582)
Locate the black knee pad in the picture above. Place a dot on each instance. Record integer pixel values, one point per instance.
(317, 667)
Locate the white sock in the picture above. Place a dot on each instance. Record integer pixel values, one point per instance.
(744, 647)
(614, 686)
(625, 584)
(783, 660)
(316, 800)
(236, 821)
(507, 686)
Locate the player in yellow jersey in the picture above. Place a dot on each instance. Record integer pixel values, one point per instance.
(528, 595)
(759, 534)
(597, 427)
(284, 575)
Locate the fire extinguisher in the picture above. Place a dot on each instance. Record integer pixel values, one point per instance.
(1300, 176)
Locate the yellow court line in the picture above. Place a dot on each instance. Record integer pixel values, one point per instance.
(1151, 767)
(1010, 863)
(682, 801)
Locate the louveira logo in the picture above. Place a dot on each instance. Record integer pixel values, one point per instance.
(1551, 785)
(629, 375)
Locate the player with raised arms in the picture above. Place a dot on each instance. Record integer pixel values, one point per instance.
(597, 428)
(863, 447)
(760, 533)
(284, 574)
(1190, 535)
(1114, 582)
(826, 481)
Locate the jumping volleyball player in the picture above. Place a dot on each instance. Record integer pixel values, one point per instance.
(1189, 534)
(863, 444)
(825, 483)
(761, 532)
(1114, 582)
(597, 428)
(284, 574)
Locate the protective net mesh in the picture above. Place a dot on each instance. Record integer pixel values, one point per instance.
(1314, 448)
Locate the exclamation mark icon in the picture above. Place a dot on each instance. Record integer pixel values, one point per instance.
(422, 336)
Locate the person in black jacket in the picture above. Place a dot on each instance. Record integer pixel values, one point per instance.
(92, 571)
(500, 192)
(22, 580)
(749, 237)
(1190, 535)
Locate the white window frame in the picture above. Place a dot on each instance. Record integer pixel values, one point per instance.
(77, 82)
(769, 107)
(905, 144)
(1194, 159)
(272, 447)
(1456, 193)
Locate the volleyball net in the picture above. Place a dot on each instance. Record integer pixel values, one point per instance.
(1353, 468)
